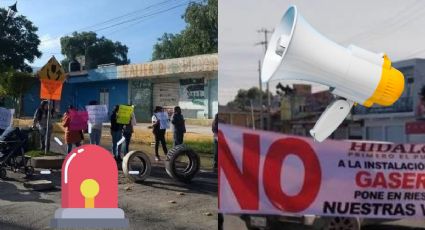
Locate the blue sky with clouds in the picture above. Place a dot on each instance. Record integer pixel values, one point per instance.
(55, 18)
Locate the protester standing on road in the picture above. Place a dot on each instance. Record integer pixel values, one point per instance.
(95, 130)
(127, 132)
(215, 131)
(160, 124)
(40, 121)
(179, 127)
(116, 133)
(72, 137)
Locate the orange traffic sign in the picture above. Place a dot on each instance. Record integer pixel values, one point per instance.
(52, 71)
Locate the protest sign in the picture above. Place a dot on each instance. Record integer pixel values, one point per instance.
(268, 173)
(163, 120)
(6, 117)
(97, 113)
(78, 120)
(124, 114)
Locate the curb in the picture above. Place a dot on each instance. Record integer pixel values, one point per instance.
(48, 162)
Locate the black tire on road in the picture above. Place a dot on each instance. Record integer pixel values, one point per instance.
(136, 161)
(343, 223)
(3, 173)
(190, 170)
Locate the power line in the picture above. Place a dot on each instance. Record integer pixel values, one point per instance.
(141, 17)
(125, 15)
(112, 19)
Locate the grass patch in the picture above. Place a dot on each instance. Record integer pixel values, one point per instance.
(199, 146)
(40, 153)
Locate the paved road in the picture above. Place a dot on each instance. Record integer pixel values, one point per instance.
(147, 205)
(233, 222)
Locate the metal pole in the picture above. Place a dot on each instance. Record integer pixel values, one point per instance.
(269, 120)
(252, 115)
(261, 96)
(47, 128)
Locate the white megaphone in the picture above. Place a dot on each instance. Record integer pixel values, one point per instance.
(297, 51)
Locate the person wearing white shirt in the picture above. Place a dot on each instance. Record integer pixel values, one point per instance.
(160, 124)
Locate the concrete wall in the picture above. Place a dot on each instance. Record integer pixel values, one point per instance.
(85, 92)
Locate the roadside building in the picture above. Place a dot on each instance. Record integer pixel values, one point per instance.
(189, 82)
(238, 117)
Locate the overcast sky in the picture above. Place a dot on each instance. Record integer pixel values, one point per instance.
(396, 27)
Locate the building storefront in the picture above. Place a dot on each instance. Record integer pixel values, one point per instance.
(190, 82)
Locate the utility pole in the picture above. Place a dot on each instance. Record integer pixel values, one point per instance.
(265, 44)
(261, 96)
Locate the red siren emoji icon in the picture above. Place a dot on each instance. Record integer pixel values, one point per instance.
(89, 191)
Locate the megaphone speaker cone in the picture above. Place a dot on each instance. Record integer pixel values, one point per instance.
(390, 86)
(279, 44)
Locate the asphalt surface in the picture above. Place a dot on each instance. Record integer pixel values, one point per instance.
(160, 202)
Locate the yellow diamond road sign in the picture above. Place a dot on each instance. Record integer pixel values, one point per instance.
(52, 71)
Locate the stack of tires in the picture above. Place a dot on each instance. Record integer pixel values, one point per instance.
(182, 171)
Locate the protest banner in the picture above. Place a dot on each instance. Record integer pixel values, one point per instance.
(78, 120)
(124, 114)
(97, 113)
(269, 173)
(6, 117)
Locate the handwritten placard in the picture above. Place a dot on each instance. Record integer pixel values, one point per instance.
(124, 114)
(6, 117)
(163, 120)
(97, 113)
(78, 120)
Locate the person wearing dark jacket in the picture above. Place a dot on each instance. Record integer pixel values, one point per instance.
(116, 133)
(127, 132)
(40, 121)
(159, 127)
(179, 127)
(215, 132)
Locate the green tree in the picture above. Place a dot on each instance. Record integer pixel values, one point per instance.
(199, 37)
(244, 97)
(18, 42)
(96, 50)
(14, 84)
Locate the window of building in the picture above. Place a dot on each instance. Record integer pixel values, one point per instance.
(395, 133)
(374, 133)
(104, 97)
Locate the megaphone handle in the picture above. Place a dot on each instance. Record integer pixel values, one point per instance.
(331, 118)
